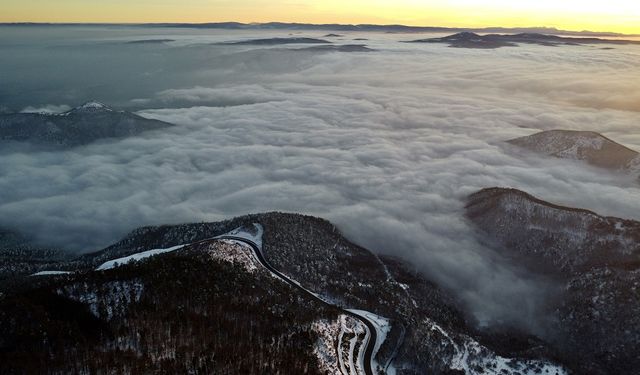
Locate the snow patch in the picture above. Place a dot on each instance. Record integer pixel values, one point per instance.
(93, 105)
(51, 273)
(234, 252)
(581, 143)
(475, 359)
(324, 348)
(135, 257)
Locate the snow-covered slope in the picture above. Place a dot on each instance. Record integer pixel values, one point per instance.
(473, 358)
(591, 147)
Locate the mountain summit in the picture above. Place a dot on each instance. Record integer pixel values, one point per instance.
(90, 106)
(591, 147)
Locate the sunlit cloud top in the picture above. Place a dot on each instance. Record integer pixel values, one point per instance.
(613, 15)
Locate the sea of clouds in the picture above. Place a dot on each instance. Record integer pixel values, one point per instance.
(385, 144)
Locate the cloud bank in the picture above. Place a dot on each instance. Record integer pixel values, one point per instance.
(387, 145)
(48, 109)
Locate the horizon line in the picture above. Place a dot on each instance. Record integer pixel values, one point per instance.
(408, 28)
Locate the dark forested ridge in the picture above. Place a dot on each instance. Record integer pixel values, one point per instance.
(180, 313)
(596, 260)
(19, 256)
(208, 308)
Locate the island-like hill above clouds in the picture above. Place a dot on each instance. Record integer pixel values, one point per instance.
(278, 41)
(87, 123)
(591, 147)
(468, 39)
(317, 45)
(596, 261)
(334, 48)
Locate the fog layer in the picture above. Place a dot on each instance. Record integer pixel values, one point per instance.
(385, 144)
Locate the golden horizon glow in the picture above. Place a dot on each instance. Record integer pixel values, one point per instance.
(621, 16)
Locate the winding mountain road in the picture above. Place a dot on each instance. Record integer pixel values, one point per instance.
(372, 337)
(370, 341)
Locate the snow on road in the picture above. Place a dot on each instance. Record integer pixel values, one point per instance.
(143, 255)
(352, 344)
(382, 326)
(51, 273)
(363, 349)
(250, 234)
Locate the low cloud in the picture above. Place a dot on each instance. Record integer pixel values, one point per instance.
(48, 109)
(217, 97)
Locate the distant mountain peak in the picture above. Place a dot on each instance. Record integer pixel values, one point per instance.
(466, 34)
(462, 36)
(589, 146)
(92, 106)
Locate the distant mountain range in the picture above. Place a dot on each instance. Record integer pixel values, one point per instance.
(344, 27)
(590, 147)
(87, 123)
(491, 41)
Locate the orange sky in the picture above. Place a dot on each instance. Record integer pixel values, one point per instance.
(613, 15)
